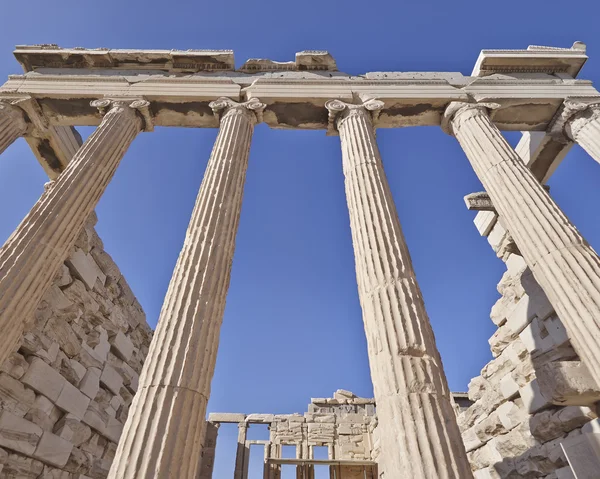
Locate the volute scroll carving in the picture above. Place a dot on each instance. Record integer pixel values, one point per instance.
(253, 108)
(448, 124)
(139, 105)
(17, 115)
(572, 116)
(340, 110)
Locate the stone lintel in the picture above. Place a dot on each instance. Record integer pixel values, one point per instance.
(535, 59)
(226, 417)
(259, 418)
(296, 103)
(34, 57)
(181, 103)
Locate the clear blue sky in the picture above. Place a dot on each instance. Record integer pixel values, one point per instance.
(292, 327)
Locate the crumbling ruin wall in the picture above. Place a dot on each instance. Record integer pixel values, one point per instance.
(535, 397)
(66, 392)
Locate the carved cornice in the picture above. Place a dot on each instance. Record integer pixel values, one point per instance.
(339, 111)
(138, 105)
(458, 107)
(253, 108)
(572, 116)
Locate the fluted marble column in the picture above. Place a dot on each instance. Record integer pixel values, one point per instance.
(417, 425)
(162, 435)
(33, 254)
(583, 125)
(562, 262)
(12, 124)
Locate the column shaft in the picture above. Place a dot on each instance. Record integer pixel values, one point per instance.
(562, 262)
(32, 255)
(12, 124)
(162, 435)
(417, 425)
(240, 456)
(584, 128)
(207, 461)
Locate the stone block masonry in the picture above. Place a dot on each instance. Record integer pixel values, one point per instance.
(65, 393)
(536, 403)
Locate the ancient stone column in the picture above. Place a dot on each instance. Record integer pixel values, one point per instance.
(562, 262)
(581, 121)
(417, 425)
(163, 433)
(241, 462)
(207, 461)
(31, 257)
(12, 124)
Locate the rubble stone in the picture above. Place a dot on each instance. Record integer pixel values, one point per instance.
(568, 383)
(52, 449)
(18, 434)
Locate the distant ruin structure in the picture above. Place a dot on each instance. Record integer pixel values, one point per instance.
(82, 371)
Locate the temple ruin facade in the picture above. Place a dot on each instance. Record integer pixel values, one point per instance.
(88, 390)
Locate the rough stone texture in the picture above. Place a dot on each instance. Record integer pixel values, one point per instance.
(175, 383)
(12, 124)
(534, 395)
(35, 252)
(568, 383)
(417, 425)
(57, 420)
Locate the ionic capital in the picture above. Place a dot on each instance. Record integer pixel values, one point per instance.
(572, 116)
(253, 108)
(339, 111)
(463, 110)
(137, 107)
(16, 115)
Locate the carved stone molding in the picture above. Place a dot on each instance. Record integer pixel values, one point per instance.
(224, 106)
(481, 201)
(339, 111)
(142, 106)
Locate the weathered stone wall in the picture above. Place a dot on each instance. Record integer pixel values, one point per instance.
(535, 395)
(66, 392)
(344, 424)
